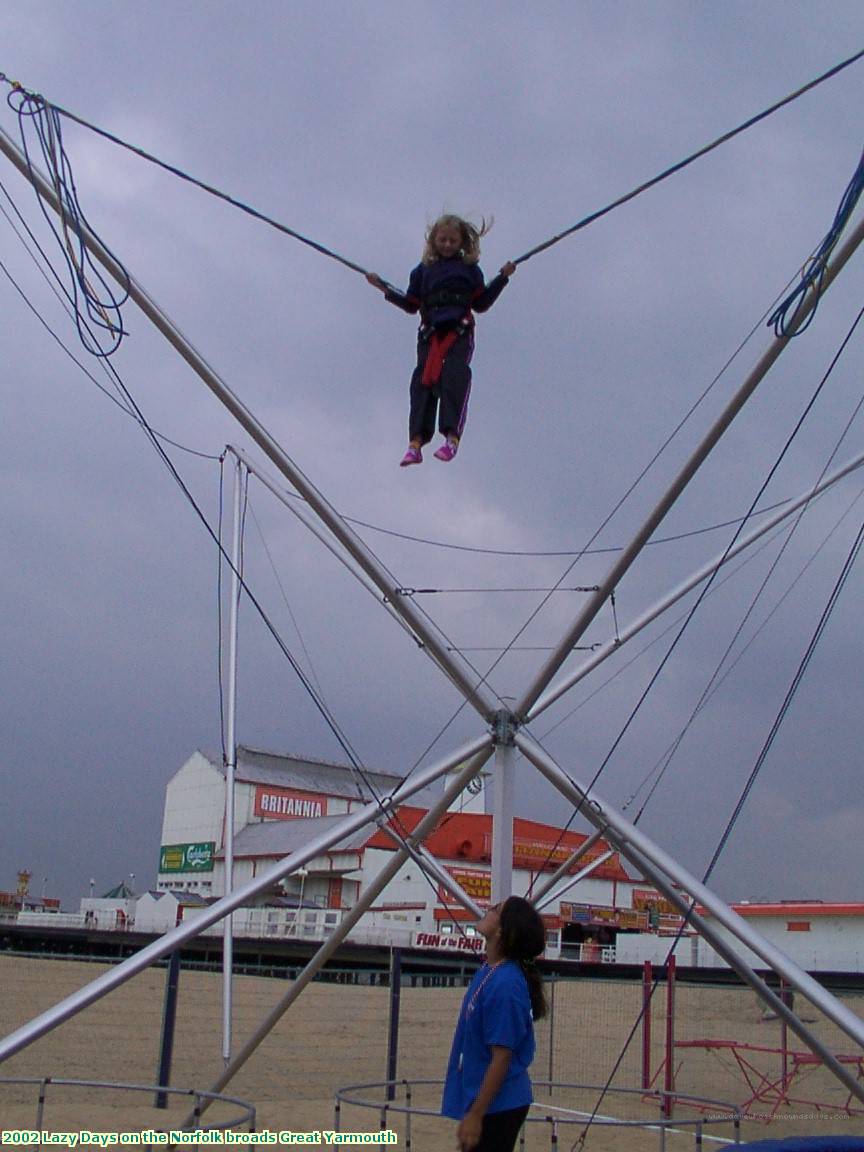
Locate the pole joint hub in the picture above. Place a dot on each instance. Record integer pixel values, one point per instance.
(504, 727)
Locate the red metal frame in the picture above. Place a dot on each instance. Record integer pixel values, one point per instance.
(770, 1091)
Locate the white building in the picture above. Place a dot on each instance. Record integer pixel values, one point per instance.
(282, 802)
(113, 911)
(819, 936)
(159, 912)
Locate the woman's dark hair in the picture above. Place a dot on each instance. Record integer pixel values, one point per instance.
(523, 936)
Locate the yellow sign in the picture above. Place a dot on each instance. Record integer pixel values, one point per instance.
(476, 884)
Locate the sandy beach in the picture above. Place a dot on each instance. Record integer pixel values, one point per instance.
(336, 1035)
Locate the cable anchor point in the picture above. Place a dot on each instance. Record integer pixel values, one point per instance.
(504, 727)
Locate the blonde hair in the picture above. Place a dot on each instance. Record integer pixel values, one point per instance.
(470, 232)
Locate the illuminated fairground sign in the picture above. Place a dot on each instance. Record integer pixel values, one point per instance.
(288, 804)
(476, 884)
(187, 857)
(545, 854)
(661, 912)
(448, 942)
(652, 901)
(604, 917)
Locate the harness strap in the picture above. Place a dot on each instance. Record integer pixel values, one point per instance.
(440, 344)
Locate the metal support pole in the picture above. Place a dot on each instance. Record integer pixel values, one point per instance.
(787, 997)
(350, 823)
(647, 991)
(553, 984)
(669, 1070)
(231, 765)
(503, 795)
(169, 1019)
(454, 667)
(606, 650)
(580, 875)
(697, 459)
(428, 864)
(665, 874)
(298, 508)
(393, 1021)
(628, 838)
(562, 869)
(423, 829)
(724, 949)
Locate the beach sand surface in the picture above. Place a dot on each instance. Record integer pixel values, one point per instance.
(336, 1035)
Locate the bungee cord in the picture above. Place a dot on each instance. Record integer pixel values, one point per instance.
(410, 593)
(541, 554)
(32, 104)
(687, 161)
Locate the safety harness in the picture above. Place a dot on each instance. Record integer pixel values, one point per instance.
(441, 340)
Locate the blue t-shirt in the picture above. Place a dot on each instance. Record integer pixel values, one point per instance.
(496, 1011)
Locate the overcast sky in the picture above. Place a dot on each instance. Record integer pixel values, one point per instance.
(357, 125)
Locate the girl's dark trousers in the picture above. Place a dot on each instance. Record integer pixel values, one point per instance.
(500, 1130)
(449, 397)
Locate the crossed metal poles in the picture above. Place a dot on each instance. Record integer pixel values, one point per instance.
(506, 727)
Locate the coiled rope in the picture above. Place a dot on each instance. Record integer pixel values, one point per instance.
(94, 302)
(784, 316)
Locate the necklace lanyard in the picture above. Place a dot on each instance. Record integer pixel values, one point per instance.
(469, 1007)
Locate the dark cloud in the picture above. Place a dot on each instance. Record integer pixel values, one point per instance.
(356, 127)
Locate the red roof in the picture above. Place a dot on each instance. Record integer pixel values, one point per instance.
(467, 836)
(798, 908)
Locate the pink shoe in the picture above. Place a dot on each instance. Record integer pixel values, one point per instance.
(447, 451)
(412, 456)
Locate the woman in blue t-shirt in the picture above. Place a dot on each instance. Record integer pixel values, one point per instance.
(487, 1088)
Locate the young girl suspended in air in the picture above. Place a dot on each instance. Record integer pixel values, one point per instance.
(446, 288)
